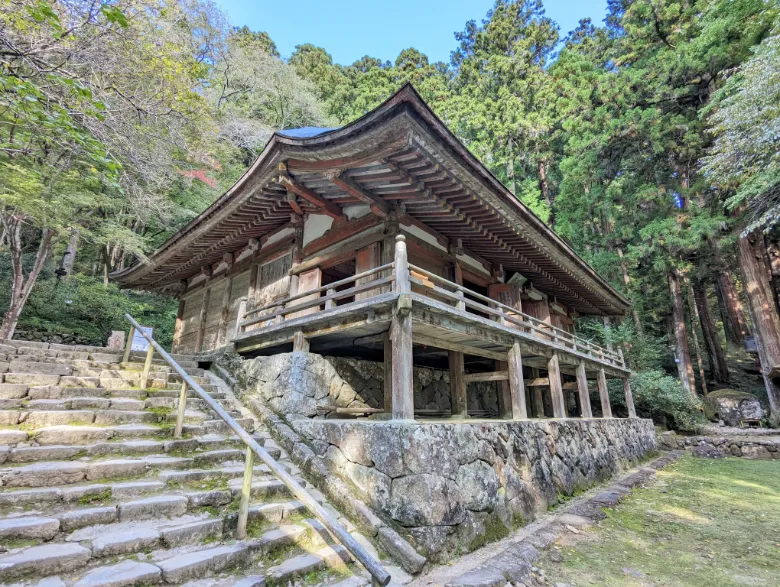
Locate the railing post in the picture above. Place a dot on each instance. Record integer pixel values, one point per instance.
(147, 367)
(246, 491)
(129, 345)
(330, 304)
(401, 284)
(622, 359)
(516, 383)
(180, 410)
(241, 317)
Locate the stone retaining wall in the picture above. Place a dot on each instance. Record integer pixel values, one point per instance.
(723, 446)
(451, 487)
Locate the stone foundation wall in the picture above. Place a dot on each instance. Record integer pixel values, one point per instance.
(431, 386)
(451, 487)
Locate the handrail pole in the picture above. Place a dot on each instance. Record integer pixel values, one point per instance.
(246, 491)
(180, 410)
(147, 364)
(334, 527)
(129, 345)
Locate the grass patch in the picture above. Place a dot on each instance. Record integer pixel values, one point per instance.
(495, 530)
(22, 543)
(702, 522)
(103, 496)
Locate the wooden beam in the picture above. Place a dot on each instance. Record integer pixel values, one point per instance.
(339, 233)
(449, 345)
(293, 202)
(300, 343)
(202, 321)
(556, 390)
(458, 382)
(606, 408)
(378, 205)
(328, 208)
(582, 387)
(504, 391)
(223, 315)
(539, 382)
(407, 220)
(490, 376)
(516, 385)
(177, 328)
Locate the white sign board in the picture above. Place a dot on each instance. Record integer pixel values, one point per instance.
(139, 342)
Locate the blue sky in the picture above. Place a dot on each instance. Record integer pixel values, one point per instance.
(349, 29)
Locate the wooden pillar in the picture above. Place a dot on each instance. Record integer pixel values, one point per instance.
(538, 395)
(458, 397)
(202, 320)
(251, 296)
(504, 393)
(402, 355)
(179, 326)
(388, 383)
(556, 387)
(300, 344)
(516, 383)
(629, 398)
(223, 316)
(606, 408)
(582, 388)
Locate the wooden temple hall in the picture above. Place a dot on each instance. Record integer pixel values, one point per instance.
(388, 240)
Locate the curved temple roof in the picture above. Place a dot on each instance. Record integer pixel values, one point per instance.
(400, 154)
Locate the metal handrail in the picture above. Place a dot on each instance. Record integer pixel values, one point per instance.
(378, 573)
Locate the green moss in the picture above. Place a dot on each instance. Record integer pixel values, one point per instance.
(104, 495)
(495, 530)
(22, 543)
(702, 522)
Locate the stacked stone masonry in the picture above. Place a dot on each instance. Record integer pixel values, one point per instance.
(95, 490)
(447, 487)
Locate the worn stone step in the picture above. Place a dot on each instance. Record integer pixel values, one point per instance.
(78, 381)
(192, 532)
(261, 488)
(43, 561)
(44, 474)
(282, 537)
(220, 427)
(12, 437)
(57, 392)
(30, 379)
(163, 506)
(84, 517)
(13, 391)
(126, 573)
(196, 475)
(203, 563)
(32, 527)
(41, 368)
(71, 435)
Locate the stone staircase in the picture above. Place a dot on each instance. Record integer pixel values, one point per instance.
(97, 492)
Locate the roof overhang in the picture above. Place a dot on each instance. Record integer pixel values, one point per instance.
(400, 152)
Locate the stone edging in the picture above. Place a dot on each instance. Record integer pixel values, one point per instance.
(335, 489)
(514, 564)
(761, 447)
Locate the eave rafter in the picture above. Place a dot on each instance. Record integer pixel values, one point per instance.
(377, 204)
(327, 208)
(481, 229)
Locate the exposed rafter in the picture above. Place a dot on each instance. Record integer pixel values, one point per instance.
(378, 205)
(327, 208)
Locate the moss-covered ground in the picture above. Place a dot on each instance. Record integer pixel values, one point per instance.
(702, 523)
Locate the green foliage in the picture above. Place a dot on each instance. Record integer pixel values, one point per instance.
(662, 398)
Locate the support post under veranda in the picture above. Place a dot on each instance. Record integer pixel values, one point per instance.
(401, 338)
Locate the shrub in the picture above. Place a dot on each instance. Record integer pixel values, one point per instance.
(662, 398)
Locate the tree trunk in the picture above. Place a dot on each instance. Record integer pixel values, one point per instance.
(544, 186)
(69, 259)
(773, 258)
(21, 286)
(766, 322)
(627, 282)
(734, 321)
(510, 167)
(694, 315)
(683, 353)
(720, 369)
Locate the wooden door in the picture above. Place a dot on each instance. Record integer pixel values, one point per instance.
(367, 258)
(273, 284)
(307, 281)
(509, 295)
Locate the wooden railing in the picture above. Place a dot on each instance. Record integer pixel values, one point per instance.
(403, 276)
(277, 311)
(462, 298)
(379, 574)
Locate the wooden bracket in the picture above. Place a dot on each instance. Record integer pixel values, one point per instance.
(378, 205)
(327, 208)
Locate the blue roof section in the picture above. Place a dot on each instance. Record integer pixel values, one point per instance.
(305, 132)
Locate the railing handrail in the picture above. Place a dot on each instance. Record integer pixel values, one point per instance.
(377, 571)
(544, 325)
(333, 285)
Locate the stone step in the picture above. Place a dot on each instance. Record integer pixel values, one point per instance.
(57, 392)
(203, 563)
(30, 379)
(303, 564)
(34, 419)
(43, 561)
(30, 528)
(19, 366)
(122, 574)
